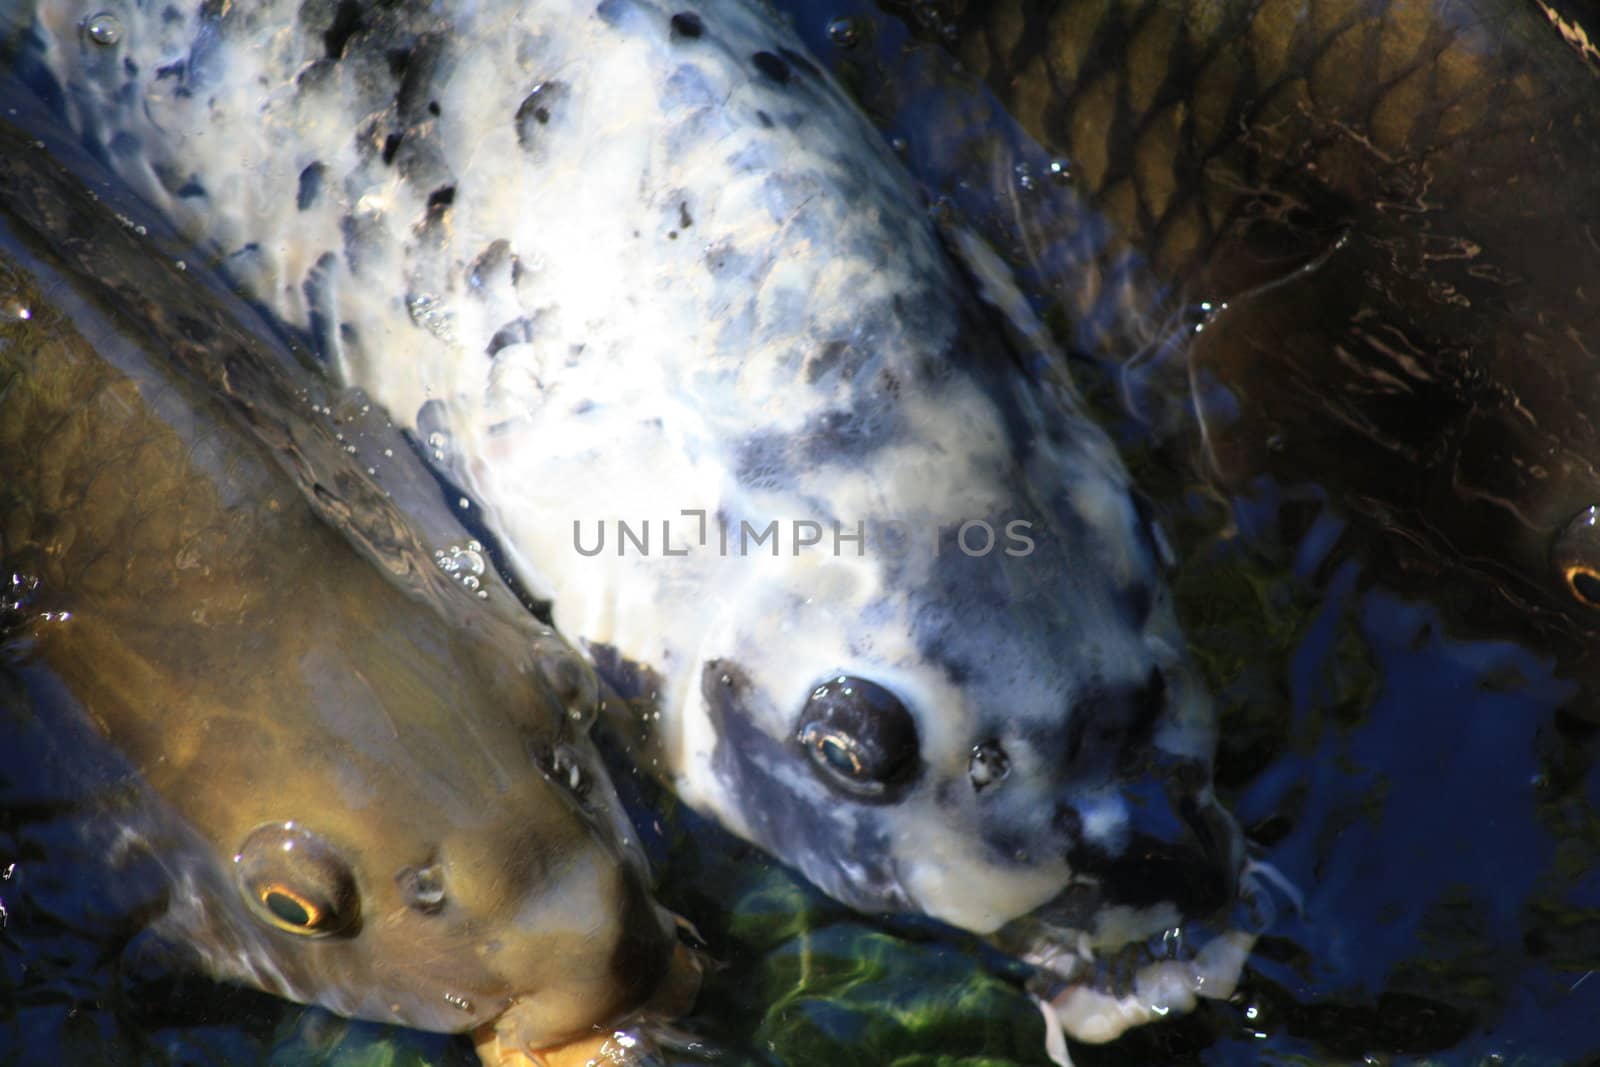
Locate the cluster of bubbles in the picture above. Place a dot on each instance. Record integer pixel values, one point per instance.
(431, 313)
(15, 594)
(466, 564)
(1057, 170)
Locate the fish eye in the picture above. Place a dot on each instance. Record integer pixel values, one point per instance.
(859, 736)
(296, 881)
(1576, 556)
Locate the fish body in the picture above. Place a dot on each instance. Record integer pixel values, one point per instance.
(1395, 203)
(899, 620)
(370, 790)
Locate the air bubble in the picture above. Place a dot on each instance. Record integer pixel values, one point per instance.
(436, 444)
(464, 563)
(103, 29)
(428, 311)
(845, 32)
(16, 593)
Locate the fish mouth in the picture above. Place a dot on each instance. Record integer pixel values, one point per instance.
(520, 1036)
(1135, 965)
(1141, 983)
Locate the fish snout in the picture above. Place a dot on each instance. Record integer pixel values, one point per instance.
(597, 949)
(1159, 840)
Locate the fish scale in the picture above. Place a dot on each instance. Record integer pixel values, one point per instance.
(1172, 139)
(1433, 166)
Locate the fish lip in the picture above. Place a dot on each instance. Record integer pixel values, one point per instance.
(1097, 997)
(668, 995)
(1095, 982)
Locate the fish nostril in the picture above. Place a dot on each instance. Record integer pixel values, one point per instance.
(987, 765)
(1109, 725)
(422, 888)
(1068, 823)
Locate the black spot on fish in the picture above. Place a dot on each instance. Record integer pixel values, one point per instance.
(516, 332)
(130, 68)
(832, 354)
(391, 145)
(426, 64)
(441, 198)
(399, 60)
(687, 24)
(311, 179)
(190, 189)
(433, 108)
(362, 235)
(833, 436)
(171, 70)
(346, 23)
(251, 251)
(611, 11)
(124, 143)
(318, 290)
(684, 221)
(494, 260)
(723, 259)
(765, 119)
(536, 108)
(761, 461)
(800, 62)
(772, 67)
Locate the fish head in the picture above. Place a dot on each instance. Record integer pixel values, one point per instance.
(412, 826)
(981, 707)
